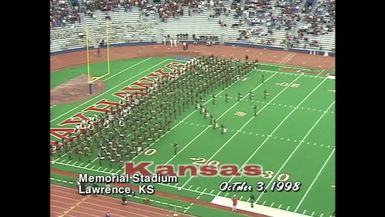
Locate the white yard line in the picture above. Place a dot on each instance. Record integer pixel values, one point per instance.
(195, 198)
(160, 202)
(180, 122)
(296, 148)
(288, 73)
(276, 128)
(91, 162)
(167, 185)
(240, 129)
(99, 96)
(290, 67)
(107, 92)
(209, 126)
(311, 185)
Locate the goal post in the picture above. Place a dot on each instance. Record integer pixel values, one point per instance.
(97, 71)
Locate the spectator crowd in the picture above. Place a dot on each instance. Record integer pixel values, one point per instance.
(61, 14)
(301, 19)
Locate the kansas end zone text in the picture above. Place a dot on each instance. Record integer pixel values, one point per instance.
(181, 170)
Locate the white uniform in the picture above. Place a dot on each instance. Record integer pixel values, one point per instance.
(77, 129)
(106, 124)
(121, 122)
(127, 96)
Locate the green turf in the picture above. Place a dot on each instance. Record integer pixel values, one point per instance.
(272, 139)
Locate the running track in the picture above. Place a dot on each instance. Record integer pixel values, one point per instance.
(67, 202)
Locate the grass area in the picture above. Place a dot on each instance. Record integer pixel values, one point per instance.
(292, 136)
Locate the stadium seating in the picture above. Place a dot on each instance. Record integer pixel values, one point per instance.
(136, 26)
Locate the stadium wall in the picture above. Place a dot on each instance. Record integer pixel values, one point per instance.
(297, 50)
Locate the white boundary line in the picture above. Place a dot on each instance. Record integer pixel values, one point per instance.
(169, 204)
(292, 67)
(111, 90)
(209, 126)
(195, 198)
(175, 126)
(289, 73)
(296, 148)
(185, 117)
(166, 185)
(276, 128)
(311, 185)
(225, 112)
(181, 121)
(91, 162)
(240, 129)
(98, 96)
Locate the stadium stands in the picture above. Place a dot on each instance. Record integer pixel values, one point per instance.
(305, 24)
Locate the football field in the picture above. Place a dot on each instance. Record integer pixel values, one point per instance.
(291, 134)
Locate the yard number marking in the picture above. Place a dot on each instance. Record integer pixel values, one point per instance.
(240, 114)
(150, 152)
(268, 174)
(285, 84)
(200, 161)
